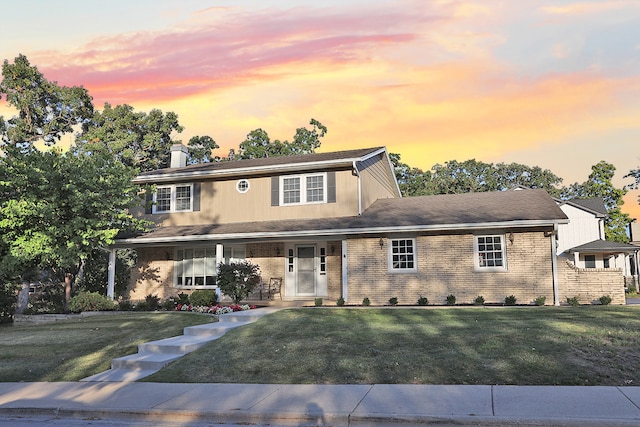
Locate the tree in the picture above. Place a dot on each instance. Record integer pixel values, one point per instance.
(599, 185)
(201, 149)
(55, 207)
(412, 181)
(46, 110)
(258, 145)
(238, 279)
(139, 140)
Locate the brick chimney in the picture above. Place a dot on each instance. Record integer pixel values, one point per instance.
(178, 156)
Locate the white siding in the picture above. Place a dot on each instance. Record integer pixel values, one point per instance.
(583, 227)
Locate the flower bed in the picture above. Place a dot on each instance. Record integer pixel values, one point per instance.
(214, 309)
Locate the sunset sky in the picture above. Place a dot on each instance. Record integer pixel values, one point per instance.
(547, 83)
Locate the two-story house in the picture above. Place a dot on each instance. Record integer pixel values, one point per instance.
(335, 225)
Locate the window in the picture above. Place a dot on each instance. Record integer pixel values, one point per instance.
(606, 262)
(490, 253)
(233, 254)
(174, 198)
(302, 189)
(590, 261)
(242, 186)
(195, 267)
(402, 255)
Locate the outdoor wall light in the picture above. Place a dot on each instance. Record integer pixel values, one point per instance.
(511, 238)
(381, 243)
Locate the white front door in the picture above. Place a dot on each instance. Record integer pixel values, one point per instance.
(306, 270)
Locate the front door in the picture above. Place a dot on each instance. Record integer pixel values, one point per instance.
(306, 270)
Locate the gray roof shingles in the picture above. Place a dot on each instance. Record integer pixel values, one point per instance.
(432, 212)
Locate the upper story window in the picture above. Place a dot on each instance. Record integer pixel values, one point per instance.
(303, 189)
(173, 198)
(242, 186)
(402, 255)
(490, 253)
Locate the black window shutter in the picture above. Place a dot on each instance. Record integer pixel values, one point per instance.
(275, 191)
(331, 187)
(148, 202)
(196, 196)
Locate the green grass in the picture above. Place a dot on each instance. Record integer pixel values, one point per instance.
(70, 350)
(588, 345)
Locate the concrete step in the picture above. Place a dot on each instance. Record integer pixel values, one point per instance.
(214, 330)
(144, 361)
(239, 316)
(176, 345)
(120, 375)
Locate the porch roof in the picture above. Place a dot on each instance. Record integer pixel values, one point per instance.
(604, 246)
(508, 209)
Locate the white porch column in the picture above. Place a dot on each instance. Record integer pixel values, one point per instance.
(576, 259)
(345, 277)
(111, 276)
(219, 259)
(554, 266)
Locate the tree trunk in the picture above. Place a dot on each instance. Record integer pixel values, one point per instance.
(68, 282)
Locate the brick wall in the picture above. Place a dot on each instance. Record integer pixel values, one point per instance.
(153, 274)
(589, 284)
(445, 265)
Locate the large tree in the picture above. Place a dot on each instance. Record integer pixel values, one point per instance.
(258, 144)
(139, 140)
(599, 185)
(471, 176)
(55, 207)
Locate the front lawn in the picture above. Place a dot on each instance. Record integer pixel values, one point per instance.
(587, 345)
(69, 350)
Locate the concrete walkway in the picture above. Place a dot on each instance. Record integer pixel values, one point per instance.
(153, 356)
(338, 405)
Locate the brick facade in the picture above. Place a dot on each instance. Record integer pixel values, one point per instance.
(589, 284)
(445, 266)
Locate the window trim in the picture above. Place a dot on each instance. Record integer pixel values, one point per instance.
(303, 189)
(193, 249)
(243, 180)
(476, 254)
(173, 199)
(414, 253)
(592, 259)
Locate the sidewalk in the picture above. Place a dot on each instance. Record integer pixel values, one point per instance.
(339, 405)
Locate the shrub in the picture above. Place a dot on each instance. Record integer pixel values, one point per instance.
(125, 305)
(366, 302)
(204, 297)
(573, 301)
(451, 299)
(152, 302)
(605, 300)
(49, 298)
(238, 279)
(8, 299)
(423, 300)
(479, 300)
(510, 300)
(393, 301)
(91, 301)
(318, 302)
(340, 302)
(169, 304)
(182, 298)
(540, 300)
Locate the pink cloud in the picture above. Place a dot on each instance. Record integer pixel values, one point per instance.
(241, 48)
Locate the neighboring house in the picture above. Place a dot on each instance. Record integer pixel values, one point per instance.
(588, 260)
(334, 225)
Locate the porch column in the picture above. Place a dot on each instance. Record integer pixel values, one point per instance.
(345, 277)
(554, 266)
(576, 259)
(111, 276)
(219, 259)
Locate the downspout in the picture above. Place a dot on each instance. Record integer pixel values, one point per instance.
(345, 274)
(355, 169)
(554, 266)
